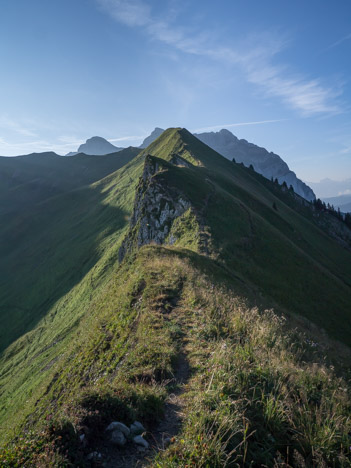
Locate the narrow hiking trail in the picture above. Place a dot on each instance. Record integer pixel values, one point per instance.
(159, 437)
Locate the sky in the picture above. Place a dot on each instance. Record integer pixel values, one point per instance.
(274, 72)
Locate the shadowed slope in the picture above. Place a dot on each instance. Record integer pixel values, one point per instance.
(49, 246)
(256, 392)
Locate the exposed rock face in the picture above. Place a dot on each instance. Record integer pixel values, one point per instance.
(156, 207)
(265, 163)
(96, 146)
(154, 134)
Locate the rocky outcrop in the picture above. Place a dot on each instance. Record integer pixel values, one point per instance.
(156, 207)
(270, 165)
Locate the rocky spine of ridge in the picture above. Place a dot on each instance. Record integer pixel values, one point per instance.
(270, 165)
(156, 207)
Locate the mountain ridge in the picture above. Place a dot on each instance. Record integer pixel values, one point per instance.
(270, 165)
(266, 163)
(173, 266)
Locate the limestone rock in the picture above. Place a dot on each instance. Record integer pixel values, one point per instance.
(118, 438)
(139, 440)
(137, 428)
(156, 207)
(118, 426)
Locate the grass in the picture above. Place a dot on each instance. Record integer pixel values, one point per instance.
(103, 341)
(258, 394)
(49, 245)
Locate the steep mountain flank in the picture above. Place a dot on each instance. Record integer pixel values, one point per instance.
(194, 296)
(270, 165)
(51, 222)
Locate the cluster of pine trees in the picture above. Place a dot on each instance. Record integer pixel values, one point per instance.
(321, 206)
(318, 204)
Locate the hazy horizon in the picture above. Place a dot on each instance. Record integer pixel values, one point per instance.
(115, 68)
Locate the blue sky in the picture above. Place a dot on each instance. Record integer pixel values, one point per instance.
(276, 73)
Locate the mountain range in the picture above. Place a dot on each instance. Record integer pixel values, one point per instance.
(327, 188)
(98, 146)
(270, 165)
(166, 306)
(343, 202)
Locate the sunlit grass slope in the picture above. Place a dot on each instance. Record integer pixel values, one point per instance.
(258, 392)
(281, 252)
(108, 343)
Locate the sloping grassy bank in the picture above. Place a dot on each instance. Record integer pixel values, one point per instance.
(259, 393)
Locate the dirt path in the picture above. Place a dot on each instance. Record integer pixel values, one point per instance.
(131, 456)
(173, 417)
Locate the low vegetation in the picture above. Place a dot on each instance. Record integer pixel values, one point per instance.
(234, 339)
(258, 393)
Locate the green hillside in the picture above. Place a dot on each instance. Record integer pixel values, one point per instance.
(184, 291)
(53, 226)
(25, 180)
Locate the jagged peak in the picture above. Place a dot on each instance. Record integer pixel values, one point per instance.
(157, 131)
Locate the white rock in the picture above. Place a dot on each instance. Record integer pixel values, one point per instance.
(118, 426)
(137, 428)
(139, 440)
(117, 438)
(94, 455)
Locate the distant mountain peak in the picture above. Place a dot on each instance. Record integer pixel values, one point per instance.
(152, 137)
(266, 163)
(96, 145)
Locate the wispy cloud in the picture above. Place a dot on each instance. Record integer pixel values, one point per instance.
(256, 60)
(339, 42)
(346, 150)
(62, 145)
(10, 148)
(238, 124)
(127, 138)
(17, 127)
